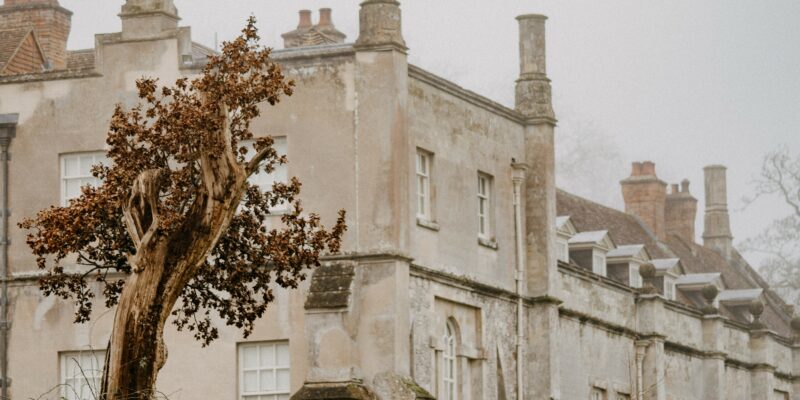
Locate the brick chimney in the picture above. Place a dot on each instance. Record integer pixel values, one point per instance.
(680, 212)
(145, 19)
(645, 196)
(50, 21)
(307, 34)
(717, 226)
(326, 27)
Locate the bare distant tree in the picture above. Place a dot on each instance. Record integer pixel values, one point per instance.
(588, 162)
(780, 242)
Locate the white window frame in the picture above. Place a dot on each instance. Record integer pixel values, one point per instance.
(485, 217)
(264, 368)
(449, 376)
(599, 264)
(563, 250)
(81, 373)
(280, 174)
(82, 175)
(423, 164)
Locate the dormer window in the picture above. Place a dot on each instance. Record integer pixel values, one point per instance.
(624, 262)
(565, 230)
(589, 250)
(667, 272)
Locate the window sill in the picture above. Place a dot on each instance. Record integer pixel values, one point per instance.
(486, 242)
(428, 224)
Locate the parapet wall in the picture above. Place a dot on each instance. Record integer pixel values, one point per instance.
(682, 353)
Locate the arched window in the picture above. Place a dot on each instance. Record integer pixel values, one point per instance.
(449, 373)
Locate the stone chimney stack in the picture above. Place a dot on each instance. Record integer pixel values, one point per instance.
(717, 226)
(534, 104)
(51, 22)
(380, 25)
(533, 93)
(145, 19)
(645, 196)
(680, 212)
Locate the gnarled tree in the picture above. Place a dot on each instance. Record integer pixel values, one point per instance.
(175, 229)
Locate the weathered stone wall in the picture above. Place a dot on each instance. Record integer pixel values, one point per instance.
(594, 357)
(682, 379)
(486, 350)
(465, 138)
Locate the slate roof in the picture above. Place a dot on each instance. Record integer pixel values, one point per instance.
(624, 228)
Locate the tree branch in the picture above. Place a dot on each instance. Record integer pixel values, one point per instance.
(141, 211)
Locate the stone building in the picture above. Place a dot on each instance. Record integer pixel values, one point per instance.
(465, 273)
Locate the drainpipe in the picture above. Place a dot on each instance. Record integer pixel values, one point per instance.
(641, 347)
(8, 129)
(518, 177)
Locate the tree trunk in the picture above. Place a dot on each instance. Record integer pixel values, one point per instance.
(136, 349)
(164, 264)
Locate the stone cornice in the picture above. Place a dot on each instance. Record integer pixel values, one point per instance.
(49, 76)
(307, 52)
(469, 96)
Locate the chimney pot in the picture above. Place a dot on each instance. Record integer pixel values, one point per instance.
(675, 189)
(648, 168)
(636, 169)
(325, 17)
(305, 19)
(685, 186)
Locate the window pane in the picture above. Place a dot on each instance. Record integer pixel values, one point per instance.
(283, 355)
(250, 380)
(86, 162)
(250, 357)
(267, 380)
(267, 356)
(70, 166)
(284, 379)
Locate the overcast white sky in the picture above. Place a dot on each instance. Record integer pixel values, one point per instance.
(683, 83)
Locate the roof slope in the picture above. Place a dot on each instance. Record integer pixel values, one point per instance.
(624, 228)
(627, 229)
